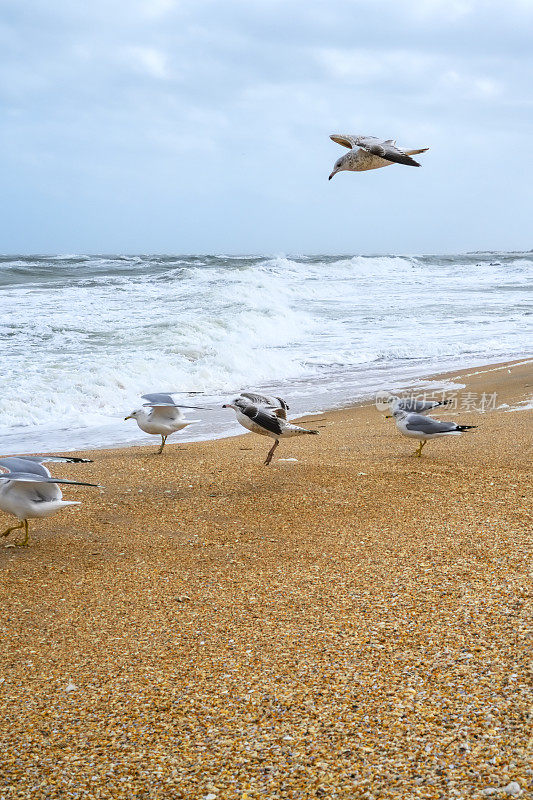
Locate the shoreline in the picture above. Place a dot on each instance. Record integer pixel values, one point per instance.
(348, 620)
(410, 386)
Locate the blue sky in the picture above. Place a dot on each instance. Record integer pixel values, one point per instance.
(203, 125)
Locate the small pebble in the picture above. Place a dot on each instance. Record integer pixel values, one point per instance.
(513, 789)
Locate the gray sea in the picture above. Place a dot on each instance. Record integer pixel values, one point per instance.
(82, 337)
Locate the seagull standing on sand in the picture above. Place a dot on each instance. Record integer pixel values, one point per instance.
(417, 426)
(413, 405)
(265, 419)
(369, 152)
(28, 491)
(164, 418)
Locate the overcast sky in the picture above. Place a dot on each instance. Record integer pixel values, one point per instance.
(185, 126)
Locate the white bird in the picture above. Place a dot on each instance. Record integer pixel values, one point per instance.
(417, 426)
(164, 418)
(369, 152)
(28, 491)
(413, 405)
(266, 420)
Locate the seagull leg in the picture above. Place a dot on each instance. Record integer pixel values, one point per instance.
(13, 528)
(163, 440)
(418, 451)
(271, 452)
(24, 542)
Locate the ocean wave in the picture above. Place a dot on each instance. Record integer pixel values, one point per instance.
(85, 336)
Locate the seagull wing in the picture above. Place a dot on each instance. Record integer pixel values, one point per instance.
(421, 424)
(385, 149)
(32, 477)
(345, 140)
(277, 403)
(264, 418)
(259, 399)
(161, 413)
(34, 464)
(49, 457)
(158, 399)
(31, 466)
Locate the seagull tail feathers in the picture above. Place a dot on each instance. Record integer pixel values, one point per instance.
(465, 427)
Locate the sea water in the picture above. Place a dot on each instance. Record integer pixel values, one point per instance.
(83, 337)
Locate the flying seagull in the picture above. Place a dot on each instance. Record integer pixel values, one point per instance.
(417, 426)
(369, 152)
(164, 418)
(266, 421)
(28, 491)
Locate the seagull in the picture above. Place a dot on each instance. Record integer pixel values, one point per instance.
(164, 418)
(28, 491)
(412, 405)
(417, 426)
(369, 152)
(265, 420)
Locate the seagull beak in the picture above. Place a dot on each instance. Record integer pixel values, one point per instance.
(388, 416)
(125, 418)
(224, 406)
(332, 174)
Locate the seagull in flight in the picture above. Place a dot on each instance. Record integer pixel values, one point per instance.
(28, 491)
(164, 418)
(267, 420)
(369, 152)
(418, 426)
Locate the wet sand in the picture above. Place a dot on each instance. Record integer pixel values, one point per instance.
(348, 625)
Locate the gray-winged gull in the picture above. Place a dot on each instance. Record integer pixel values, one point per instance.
(164, 418)
(417, 426)
(369, 152)
(413, 405)
(28, 491)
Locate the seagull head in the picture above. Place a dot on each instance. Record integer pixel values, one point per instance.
(338, 166)
(238, 404)
(398, 413)
(133, 415)
(392, 402)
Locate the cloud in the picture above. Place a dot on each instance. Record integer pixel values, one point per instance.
(471, 86)
(233, 102)
(147, 60)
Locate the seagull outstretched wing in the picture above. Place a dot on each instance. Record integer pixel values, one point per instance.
(383, 148)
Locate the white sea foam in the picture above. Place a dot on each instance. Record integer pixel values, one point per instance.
(84, 336)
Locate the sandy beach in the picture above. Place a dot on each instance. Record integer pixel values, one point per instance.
(350, 623)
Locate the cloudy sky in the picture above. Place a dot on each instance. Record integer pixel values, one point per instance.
(186, 126)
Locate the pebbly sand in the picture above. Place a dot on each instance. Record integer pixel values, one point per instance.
(348, 625)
